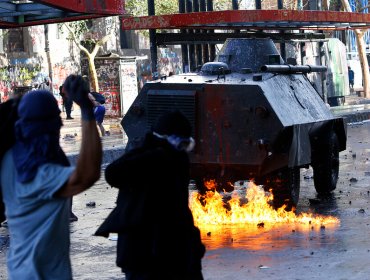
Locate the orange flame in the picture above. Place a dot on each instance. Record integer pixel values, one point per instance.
(210, 209)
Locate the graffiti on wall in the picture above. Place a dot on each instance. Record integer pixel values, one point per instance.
(5, 90)
(128, 84)
(108, 75)
(60, 73)
(37, 37)
(169, 63)
(144, 72)
(27, 72)
(108, 78)
(16, 75)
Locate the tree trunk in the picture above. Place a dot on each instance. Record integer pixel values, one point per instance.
(93, 74)
(295, 5)
(90, 57)
(47, 51)
(326, 5)
(361, 49)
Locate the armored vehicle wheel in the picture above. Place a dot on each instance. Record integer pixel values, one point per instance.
(285, 186)
(326, 165)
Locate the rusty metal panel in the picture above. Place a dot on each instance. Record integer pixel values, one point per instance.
(260, 19)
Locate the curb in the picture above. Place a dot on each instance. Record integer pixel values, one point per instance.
(355, 117)
(109, 155)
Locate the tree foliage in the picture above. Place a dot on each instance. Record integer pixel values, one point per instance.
(139, 8)
(89, 42)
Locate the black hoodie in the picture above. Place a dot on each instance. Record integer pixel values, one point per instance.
(154, 223)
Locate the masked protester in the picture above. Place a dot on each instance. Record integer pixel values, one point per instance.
(37, 183)
(157, 238)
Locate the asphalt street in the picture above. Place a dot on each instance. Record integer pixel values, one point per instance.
(280, 252)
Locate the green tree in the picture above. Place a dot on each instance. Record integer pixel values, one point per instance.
(139, 8)
(80, 33)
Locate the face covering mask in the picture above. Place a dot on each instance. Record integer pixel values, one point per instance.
(179, 143)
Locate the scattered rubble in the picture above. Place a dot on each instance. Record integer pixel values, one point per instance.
(69, 136)
(91, 204)
(261, 225)
(263, 267)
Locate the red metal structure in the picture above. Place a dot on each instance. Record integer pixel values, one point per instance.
(253, 19)
(196, 21)
(25, 13)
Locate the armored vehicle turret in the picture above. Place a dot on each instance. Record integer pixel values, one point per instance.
(253, 117)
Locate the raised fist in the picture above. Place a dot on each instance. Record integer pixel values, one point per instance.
(77, 89)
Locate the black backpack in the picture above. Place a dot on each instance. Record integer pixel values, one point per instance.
(98, 97)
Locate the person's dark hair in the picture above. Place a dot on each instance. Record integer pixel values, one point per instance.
(173, 123)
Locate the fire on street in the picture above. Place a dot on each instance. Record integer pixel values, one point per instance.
(270, 251)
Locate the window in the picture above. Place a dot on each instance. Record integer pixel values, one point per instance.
(15, 40)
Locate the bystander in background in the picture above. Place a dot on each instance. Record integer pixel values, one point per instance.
(351, 78)
(67, 103)
(99, 113)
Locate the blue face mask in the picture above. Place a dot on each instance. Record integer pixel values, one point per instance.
(185, 144)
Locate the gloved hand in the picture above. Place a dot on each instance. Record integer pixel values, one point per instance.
(78, 90)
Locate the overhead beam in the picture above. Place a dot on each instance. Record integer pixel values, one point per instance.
(219, 38)
(8, 6)
(260, 19)
(106, 7)
(14, 14)
(32, 6)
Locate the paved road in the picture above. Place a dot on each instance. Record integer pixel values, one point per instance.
(284, 252)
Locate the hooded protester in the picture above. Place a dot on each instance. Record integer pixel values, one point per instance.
(37, 184)
(157, 238)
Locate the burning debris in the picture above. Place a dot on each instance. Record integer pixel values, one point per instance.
(252, 207)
